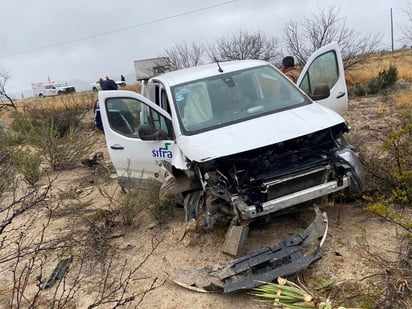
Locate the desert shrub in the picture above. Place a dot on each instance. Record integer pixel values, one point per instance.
(160, 209)
(131, 204)
(386, 79)
(358, 90)
(31, 120)
(372, 86)
(64, 152)
(28, 164)
(55, 134)
(5, 167)
(144, 196)
(391, 176)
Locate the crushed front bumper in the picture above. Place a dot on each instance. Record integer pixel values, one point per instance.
(251, 211)
(293, 254)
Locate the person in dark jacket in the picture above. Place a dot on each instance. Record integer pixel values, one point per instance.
(108, 84)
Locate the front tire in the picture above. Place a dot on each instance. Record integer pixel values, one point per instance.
(192, 203)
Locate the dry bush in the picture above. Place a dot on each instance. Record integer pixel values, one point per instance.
(402, 60)
(54, 133)
(127, 205)
(403, 99)
(6, 169)
(28, 165)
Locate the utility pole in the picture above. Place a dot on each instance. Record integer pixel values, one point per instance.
(392, 29)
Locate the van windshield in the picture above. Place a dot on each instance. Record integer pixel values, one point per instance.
(233, 97)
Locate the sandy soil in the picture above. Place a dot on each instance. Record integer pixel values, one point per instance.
(354, 236)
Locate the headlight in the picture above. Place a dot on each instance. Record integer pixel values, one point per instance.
(352, 160)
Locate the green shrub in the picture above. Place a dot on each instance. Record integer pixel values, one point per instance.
(131, 204)
(386, 79)
(358, 90)
(391, 176)
(6, 173)
(373, 86)
(145, 197)
(32, 120)
(55, 134)
(28, 164)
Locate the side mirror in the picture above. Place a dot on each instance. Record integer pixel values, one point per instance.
(320, 92)
(148, 133)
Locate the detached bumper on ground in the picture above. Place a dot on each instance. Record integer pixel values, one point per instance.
(293, 254)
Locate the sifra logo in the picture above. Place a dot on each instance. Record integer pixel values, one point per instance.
(162, 152)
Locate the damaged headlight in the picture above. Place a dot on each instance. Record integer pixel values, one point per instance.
(351, 161)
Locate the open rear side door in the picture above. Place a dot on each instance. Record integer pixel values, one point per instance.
(324, 70)
(135, 157)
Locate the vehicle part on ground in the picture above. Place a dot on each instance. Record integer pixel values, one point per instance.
(293, 254)
(59, 272)
(235, 240)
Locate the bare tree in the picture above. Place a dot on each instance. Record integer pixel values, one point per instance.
(182, 55)
(304, 37)
(407, 30)
(245, 45)
(4, 97)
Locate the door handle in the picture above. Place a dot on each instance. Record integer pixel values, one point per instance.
(117, 147)
(340, 94)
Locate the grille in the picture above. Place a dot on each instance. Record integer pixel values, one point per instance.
(294, 183)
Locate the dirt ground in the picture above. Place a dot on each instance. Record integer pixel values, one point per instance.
(354, 235)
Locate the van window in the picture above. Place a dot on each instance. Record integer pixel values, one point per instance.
(125, 115)
(323, 71)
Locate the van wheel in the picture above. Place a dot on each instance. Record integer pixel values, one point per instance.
(173, 186)
(193, 202)
(40, 95)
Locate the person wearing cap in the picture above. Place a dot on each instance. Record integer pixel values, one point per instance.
(288, 68)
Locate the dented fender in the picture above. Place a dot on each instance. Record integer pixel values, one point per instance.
(295, 253)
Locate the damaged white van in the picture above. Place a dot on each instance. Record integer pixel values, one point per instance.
(236, 138)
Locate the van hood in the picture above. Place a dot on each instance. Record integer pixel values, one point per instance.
(258, 132)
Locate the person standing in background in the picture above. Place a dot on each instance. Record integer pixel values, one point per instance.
(108, 84)
(288, 68)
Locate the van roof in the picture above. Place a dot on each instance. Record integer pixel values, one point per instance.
(207, 70)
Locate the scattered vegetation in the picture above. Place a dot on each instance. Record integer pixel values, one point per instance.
(54, 132)
(48, 269)
(391, 177)
(385, 80)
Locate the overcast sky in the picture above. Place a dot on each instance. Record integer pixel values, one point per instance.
(87, 39)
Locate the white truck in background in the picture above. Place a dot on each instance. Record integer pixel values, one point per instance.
(44, 89)
(64, 87)
(48, 89)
